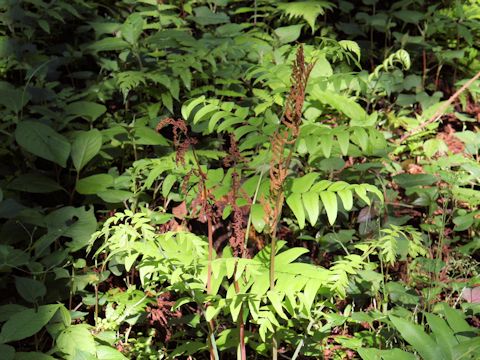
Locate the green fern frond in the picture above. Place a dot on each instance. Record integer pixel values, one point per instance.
(308, 10)
(129, 80)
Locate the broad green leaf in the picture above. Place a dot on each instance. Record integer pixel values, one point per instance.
(108, 353)
(329, 200)
(42, 141)
(360, 137)
(76, 223)
(188, 107)
(347, 198)
(30, 289)
(27, 323)
(94, 184)
(340, 103)
(467, 349)
(212, 311)
(295, 203)
(463, 331)
(326, 142)
(321, 185)
(343, 138)
(443, 334)
(416, 336)
(204, 16)
(114, 195)
(377, 354)
(411, 180)
(34, 183)
(361, 191)
(304, 183)
(312, 206)
(85, 109)
(204, 111)
(288, 34)
(108, 44)
(7, 351)
(277, 304)
(290, 255)
(86, 145)
(147, 136)
(13, 99)
(258, 217)
(132, 28)
(167, 184)
(75, 340)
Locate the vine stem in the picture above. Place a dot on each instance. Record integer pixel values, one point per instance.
(438, 114)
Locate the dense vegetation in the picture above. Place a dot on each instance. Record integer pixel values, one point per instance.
(239, 179)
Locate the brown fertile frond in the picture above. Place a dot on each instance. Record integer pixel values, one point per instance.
(291, 119)
(179, 129)
(234, 156)
(294, 103)
(237, 240)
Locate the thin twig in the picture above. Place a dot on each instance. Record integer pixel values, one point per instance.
(438, 114)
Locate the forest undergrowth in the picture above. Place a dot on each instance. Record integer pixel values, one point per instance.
(220, 179)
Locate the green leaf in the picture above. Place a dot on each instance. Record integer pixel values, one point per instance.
(347, 198)
(329, 200)
(30, 289)
(85, 109)
(341, 103)
(295, 203)
(326, 142)
(415, 336)
(258, 217)
(76, 223)
(410, 180)
(27, 323)
(108, 353)
(463, 331)
(204, 111)
(86, 145)
(376, 354)
(114, 196)
(13, 99)
(94, 184)
(108, 44)
(304, 183)
(312, 206)
(132, 28)
(467, 349)
(212, 311)
(288, 34)
(288, 256)
(443, 334)
(277, 304)
(75, 340)
(204, 16)
(42, 141)
(343, 138)
(167, 184)
(147, 136)
(188, 107)
(351, 46)
(308, 10)
(34, 183)
(7, 351)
